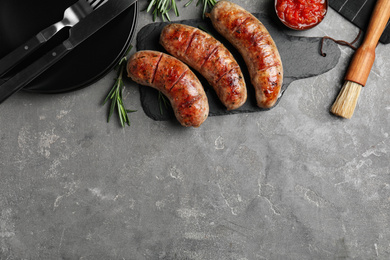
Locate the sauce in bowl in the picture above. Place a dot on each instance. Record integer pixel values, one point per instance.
(301, 14)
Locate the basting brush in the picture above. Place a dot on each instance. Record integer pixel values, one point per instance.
(362, 61)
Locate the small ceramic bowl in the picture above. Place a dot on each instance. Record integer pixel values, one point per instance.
(301, 14)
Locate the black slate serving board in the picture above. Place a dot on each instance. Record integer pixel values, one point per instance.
(301, 58)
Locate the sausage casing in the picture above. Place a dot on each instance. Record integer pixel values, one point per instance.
(210, 58)
(175, 80)
(253, 41)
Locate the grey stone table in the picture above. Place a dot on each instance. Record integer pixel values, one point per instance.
(294, 182)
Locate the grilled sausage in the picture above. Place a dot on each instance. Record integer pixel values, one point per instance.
(175, 80)
(256, 46)
(210, 58)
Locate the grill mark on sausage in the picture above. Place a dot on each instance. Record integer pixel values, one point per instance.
(239, 25)
(155, 70)
(189, 43)
(237, 67)
(208, 57)
(260, 39)
(181, 76)
(264, 68)
(188, 103)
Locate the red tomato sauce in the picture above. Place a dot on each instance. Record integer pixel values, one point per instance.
(301, 14)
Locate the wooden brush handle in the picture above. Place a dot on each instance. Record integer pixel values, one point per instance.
(364, 57)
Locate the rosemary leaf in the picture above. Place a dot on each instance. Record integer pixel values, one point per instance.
(120, 113)
(204, 7)
(188, 3)
(152, 3)
(112, 108)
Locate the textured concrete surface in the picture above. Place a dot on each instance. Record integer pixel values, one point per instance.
(294, 182)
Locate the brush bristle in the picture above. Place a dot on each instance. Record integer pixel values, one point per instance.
(345, 103)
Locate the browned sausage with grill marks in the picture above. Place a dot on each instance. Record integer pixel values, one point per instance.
(175, 80)
(253, 41)
(210, 58)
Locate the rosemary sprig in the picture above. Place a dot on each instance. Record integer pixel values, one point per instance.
(161, 8)
(206, 3)
(163, 101)
(115, 94)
